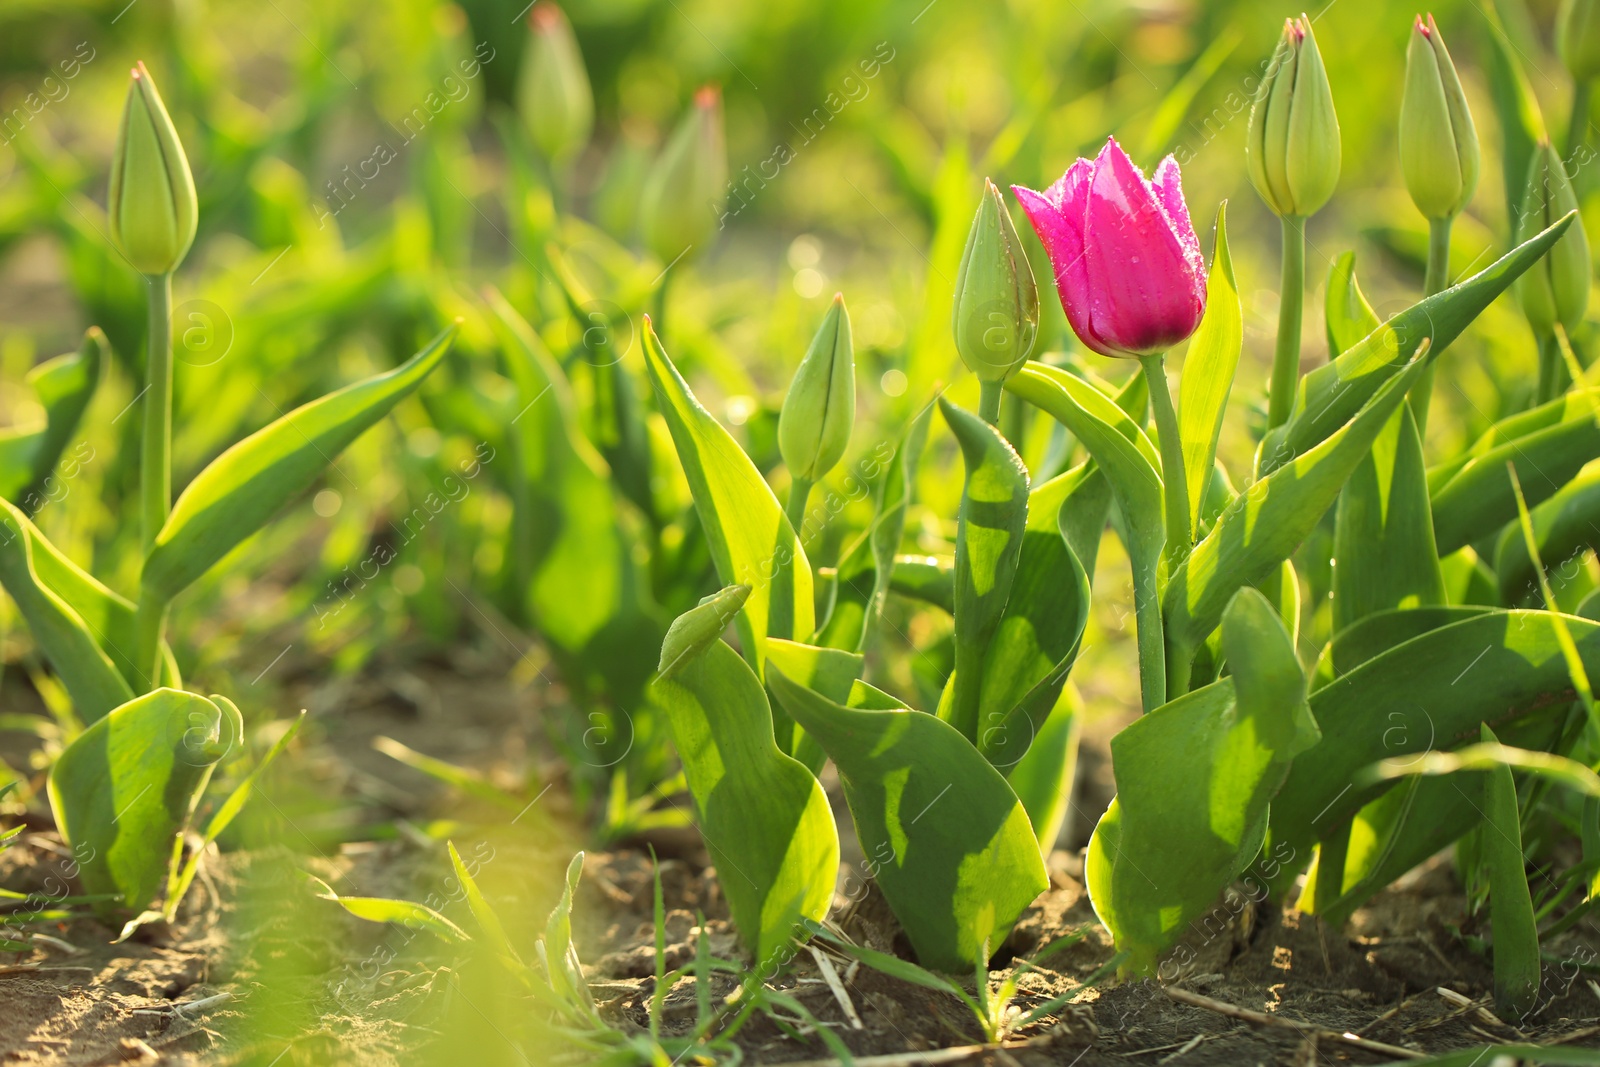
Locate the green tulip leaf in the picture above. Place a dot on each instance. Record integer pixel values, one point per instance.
(1330, 396)
(1563, 526)
(1516, 929)
(926, 578)
(948, 841)
(830, 671)
(1123, 453)
(1472, 499)
(1208, 369)
(1043, 778)
(764, 816)
(1349, 317)
(994, 510)
(1265, 525)
(235, 495)
(1033, 648)
(1432, 692)
(1383, 529)
(1375, 634)
(751, 540)
(63, 386)
(126, 786)
(85, 630)
(574, 559)
(1171, 842)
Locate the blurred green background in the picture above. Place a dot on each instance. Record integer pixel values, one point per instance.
(304, 277)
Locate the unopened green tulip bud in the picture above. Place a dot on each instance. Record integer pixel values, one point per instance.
(1556, 288)
(1292, 146)
(1438, 141)
(1578, 38)
(553, 94)
(152, 206)
(698, 628)
(814, 425)
(683, 199)
(996, 314)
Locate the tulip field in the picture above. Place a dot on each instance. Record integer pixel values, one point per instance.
(705, 532)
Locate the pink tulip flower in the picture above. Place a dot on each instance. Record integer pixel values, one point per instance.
(1127, 263)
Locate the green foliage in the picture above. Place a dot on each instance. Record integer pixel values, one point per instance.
(994, 510)
(64, 386)
(764, 816)
(750, 538)
(1208, 370)
(1171, 843)
(125, 788)
(245, 486)
(1330, 396)
(949, 842)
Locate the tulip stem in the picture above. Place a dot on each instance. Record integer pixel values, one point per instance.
(1550, 369)
(150, 623)
(989, 401)
(1578, 118)
(1291, 296)
(1437, 280)
(1173, 478)
(799, 497)
(155, 462)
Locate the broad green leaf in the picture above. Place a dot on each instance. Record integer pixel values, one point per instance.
(1549, 445)
(1330, 396)
(696, 629)
(830, 671)
(125, 787)
(1265, 524)
(1516, 931)
(947, 839)
(751, 540)
(1027, 661)
(63, 386)
(241, 489)
(994, 510)
(1383, 529)
(74, 647)
(385, 910)
(1043, 778)
(1129, 461)
(1171, 842)
(926, 578)
(581, 584)
(1208, 369)
(1349, 317)
(764, 816)
(1432, 692)
(1382, 630)
(1563, 526)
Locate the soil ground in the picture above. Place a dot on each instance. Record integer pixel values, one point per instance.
(306, 983)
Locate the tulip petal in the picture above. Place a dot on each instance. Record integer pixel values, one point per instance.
(1168, 184)
(1057, 217)
(1143, 296)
